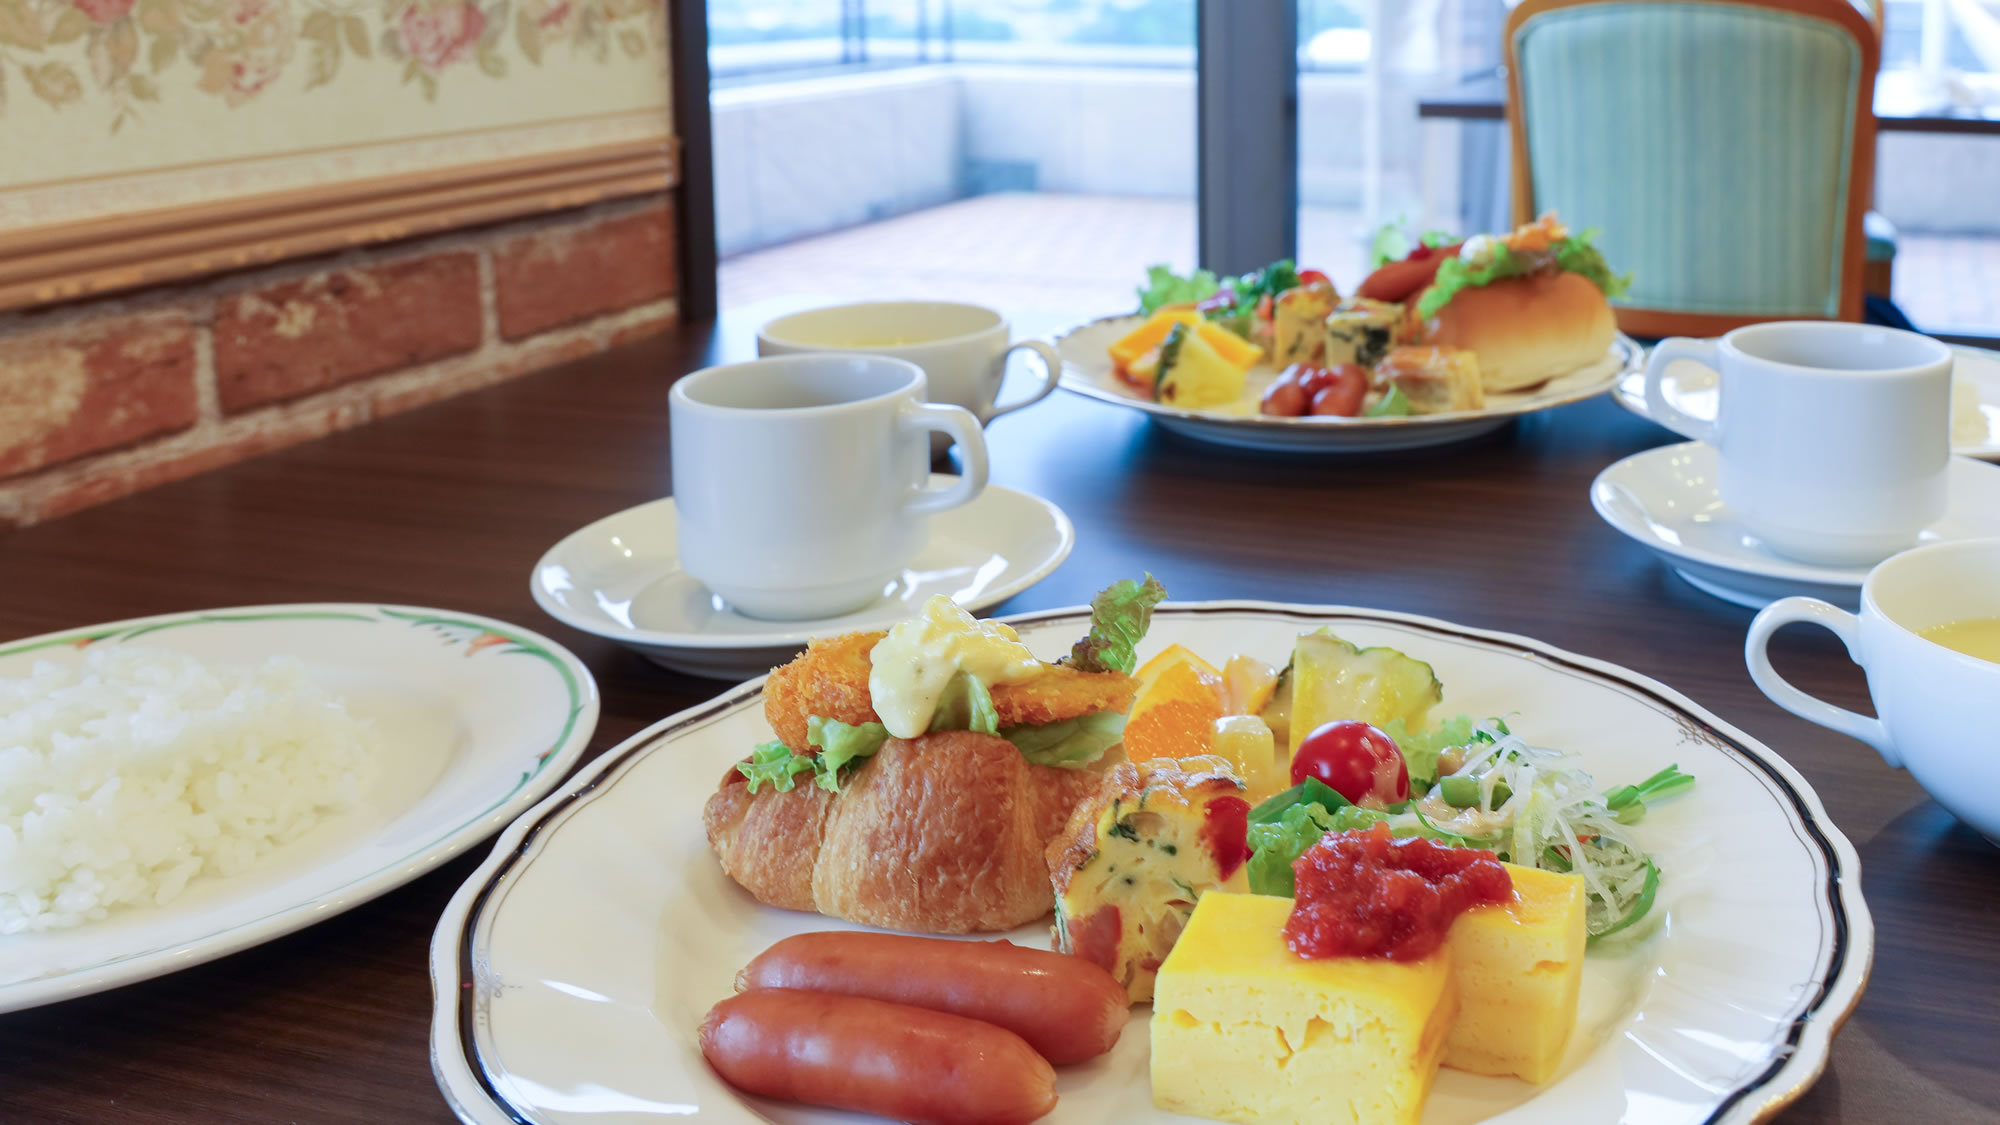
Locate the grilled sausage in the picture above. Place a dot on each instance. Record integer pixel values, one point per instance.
(903, 1063)
(1066, 1008)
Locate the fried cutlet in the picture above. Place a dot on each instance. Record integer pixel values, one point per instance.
(830, 679)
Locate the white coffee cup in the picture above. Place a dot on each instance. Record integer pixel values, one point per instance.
(800, 482)
(963, 349)
(1834, 437)
(1939, 707)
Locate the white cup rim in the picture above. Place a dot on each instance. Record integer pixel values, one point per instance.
(1915, 556)
(773, 327)
(683, 391)
(1940, 351)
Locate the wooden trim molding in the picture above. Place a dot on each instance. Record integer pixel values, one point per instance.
(40, 265)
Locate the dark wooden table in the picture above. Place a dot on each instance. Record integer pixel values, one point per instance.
(451, 505)
(1897, 108)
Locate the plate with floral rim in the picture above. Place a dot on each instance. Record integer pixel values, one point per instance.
(478, 720)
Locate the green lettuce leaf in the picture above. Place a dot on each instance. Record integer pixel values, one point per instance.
(1269, 281)
(966, 705)
(774, 763)
(1575, 254)
(1119, 617)
(1311, 791)
(1278, 844)
(1421, 750)
(1071, 743)
(1165, 287)
(840, 745)
(1395, 404)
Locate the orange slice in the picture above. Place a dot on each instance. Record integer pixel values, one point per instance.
(1170, 656)
(1174, 715)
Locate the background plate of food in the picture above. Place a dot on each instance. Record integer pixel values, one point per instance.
(1447, 339)
(588, 970)
(177, 788)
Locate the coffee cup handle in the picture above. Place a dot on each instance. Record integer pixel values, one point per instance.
(1051, 373)
(962, 426)
(1842, 624)
(1657, 407)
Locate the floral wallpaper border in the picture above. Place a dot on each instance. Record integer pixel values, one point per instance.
(63, 51)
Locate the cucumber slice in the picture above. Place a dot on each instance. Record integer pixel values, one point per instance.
(1333, 680)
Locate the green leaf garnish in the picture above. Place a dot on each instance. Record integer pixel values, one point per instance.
(1119, 617)
(773, 763)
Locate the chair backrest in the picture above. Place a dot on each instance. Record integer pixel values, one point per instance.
(1724, 149)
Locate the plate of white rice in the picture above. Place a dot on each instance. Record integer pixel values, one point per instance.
(177, 788)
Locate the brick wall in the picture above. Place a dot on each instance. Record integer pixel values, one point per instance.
(104, 398)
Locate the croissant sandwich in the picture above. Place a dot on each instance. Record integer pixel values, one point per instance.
(918, 775)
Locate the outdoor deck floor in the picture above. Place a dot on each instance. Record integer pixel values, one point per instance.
(1086, 253)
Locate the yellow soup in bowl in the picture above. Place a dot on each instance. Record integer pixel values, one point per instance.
(1977, 637)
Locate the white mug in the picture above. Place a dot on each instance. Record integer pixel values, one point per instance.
(963, 349)
(1834, 437)
(801, 482)
(1939, 708)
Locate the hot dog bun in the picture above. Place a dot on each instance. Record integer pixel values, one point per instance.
(1526, 330)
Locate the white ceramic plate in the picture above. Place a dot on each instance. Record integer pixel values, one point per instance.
(1087, 371)
(573, 968)
(620, 578)
(1975, 416)
(1665, 498)
(480, 718)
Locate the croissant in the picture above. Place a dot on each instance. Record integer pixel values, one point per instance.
(942, 834)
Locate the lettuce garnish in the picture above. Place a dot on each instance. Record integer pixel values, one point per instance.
(773, 763)
(1165, 287)
(1071, 743)
(1575, 254)
(839, 745)
(1119, 617)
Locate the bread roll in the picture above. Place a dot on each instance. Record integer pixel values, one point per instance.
(1526, 330)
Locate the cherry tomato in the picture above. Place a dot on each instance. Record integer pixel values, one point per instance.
(1356, 760)
(1285, 399)
(1345, 386)
(1314, 277)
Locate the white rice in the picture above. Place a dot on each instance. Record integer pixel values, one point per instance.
(125, 777)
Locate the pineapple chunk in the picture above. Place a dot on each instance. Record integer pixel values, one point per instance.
(1192, 373)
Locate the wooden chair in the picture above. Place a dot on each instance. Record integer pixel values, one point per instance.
(1724, 149)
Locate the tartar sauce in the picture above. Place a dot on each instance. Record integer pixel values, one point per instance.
(914, 663)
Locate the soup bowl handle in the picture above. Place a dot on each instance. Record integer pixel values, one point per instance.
(1842, 624)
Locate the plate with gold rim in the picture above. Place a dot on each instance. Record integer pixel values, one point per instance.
(1087, 372)
(570, 972)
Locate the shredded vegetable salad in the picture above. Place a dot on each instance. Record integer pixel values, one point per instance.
(1527, 804)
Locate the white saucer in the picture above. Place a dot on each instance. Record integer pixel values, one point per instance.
(1666, 499)
(1975, 400)
(620, 578)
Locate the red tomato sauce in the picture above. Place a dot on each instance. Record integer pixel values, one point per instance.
(1226, 830)
(1366, 894)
